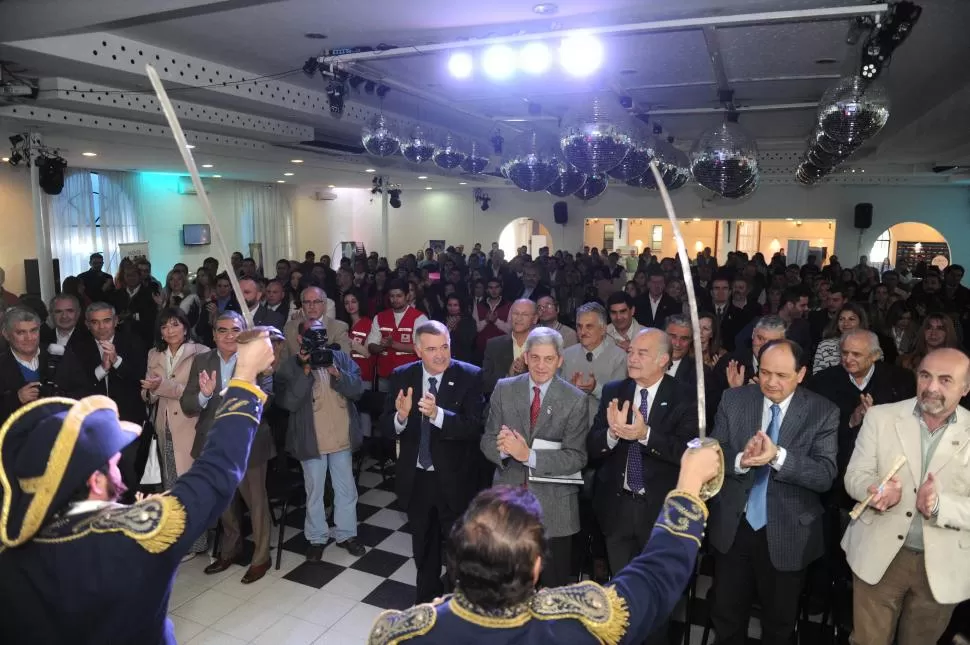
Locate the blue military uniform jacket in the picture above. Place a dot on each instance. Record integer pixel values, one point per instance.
(104, 577)
(625, 611)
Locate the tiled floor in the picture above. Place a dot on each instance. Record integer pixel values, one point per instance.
(334, 602)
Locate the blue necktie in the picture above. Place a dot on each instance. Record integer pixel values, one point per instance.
(424, 446)
(758, 500)
(634, 460)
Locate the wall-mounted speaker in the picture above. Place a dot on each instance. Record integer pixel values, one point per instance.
(32, 277)
(863, 215)
(560, 212)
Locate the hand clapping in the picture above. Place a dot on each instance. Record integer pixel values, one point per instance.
(403, 404)
(513, 444)
(927, 497)
(887, 496)
(207, 383)
(616, 416)
(735, 374)
(428, 406)
(759, 451)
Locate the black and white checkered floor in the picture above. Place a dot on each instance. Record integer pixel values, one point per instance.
(335, 601)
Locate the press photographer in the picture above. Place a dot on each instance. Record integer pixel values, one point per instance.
(317, 387)
(28, 371)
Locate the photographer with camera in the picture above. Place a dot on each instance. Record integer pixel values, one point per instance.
(317, 387)
(28, 371)
(314, 306)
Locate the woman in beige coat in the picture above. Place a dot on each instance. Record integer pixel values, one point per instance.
(169, 365)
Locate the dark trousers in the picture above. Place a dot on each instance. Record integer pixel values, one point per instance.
(557, 569)
(746, 572)
(627, 539)
(430, 520)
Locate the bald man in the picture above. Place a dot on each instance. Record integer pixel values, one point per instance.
(905, 548)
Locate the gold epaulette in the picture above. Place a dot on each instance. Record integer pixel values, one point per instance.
(393, 627)
(600, 609)
(155, 524)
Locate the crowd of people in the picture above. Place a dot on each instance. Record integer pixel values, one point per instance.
(574, 375)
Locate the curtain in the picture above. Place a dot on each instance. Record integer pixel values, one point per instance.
(94, 212)
(266, 217)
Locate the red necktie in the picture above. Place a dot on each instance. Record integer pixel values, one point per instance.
(534, 410)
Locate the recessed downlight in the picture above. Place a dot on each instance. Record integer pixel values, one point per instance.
(207, 165)
(369, 170)
(280, 181)
(462, 183)
(296, 161)
(331, 186)
(217, 176)
(287, 174)
(4, 159)
(189, 146)
(427, 187)
(422, 176)
(89, 154)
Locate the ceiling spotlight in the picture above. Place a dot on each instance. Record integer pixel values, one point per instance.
(310, 66)
(89, 154)
(205, 165)
(581, 54)
(535, 58)
(870, 70)
(5, 159)
(481, 197)
(427, 187)
(422, 176)
(369, 170)
(217, 176)
(189, 146)
(296, 161)
(545, 8)
(395, 197)
(280, 181)
(287, 174)
(460, 65)
(499, 62)
(331, 186)
(462, 183)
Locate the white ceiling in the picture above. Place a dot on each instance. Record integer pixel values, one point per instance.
(251, 132)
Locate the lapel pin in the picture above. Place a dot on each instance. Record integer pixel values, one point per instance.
(663, 404)
(549, 410)
(451, 383)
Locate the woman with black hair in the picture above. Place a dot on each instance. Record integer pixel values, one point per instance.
(462, 328)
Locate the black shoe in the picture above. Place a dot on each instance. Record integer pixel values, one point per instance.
(353, 547)
(314, 552)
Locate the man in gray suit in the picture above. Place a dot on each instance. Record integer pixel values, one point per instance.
(541, 406)
(780, 444)
(504, 355)
(201, 398)
(596, 360)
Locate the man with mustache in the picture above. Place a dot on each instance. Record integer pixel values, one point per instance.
(909, 552)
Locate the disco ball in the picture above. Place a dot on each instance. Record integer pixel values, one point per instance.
(853, 110)
(594, 187)
(822, 158)
(598, 137)
(724, 159)
(746, 190)
(637, 162)
(829, 145)
(568, 181)
(418, 146)
(477, 159)
(808, 173)
(676, 170)
(379, 138)
(532, 163)
(449, 155)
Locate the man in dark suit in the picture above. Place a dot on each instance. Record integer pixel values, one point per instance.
(436, 413)
(114, 363)
(653, 307)
(532, 287)
(65, 313)
(636, 443)
(504, 355)
(252, 290)
(97, 283)
(29, 370)
(202, 398)
(820, 319)
(537, 426)
(780, 444)
(860, 382)
(137, 306)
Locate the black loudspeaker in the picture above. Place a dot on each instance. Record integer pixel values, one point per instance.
(32, 277)
(863, 215)
(560, 212)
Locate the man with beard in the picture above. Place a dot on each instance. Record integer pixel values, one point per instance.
(908, 553)
(62, 523)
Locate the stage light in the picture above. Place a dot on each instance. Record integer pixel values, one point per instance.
(499, 62)
(460, 65)
(394, 197)
(310, 66)
(581, 55)
(535, 58)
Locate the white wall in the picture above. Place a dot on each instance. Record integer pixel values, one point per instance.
(454, 216)
(17, 240)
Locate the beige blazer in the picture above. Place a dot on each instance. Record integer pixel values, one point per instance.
(337, 332)
(168, 394)
(872, 541)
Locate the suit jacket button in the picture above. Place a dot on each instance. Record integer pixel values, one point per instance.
(899, 537)
(909, 513)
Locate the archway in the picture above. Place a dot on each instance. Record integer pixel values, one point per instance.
(912, 242)
(526, 232)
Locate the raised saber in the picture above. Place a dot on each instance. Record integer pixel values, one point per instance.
(712, 487)
(186, 152)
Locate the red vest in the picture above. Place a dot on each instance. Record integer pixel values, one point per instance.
(491, 330)
(390, 359)
(359, 333)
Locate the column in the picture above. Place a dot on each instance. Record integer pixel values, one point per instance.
(45, 263)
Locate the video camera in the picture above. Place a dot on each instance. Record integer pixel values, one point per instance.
(55, 354)
(315, 346)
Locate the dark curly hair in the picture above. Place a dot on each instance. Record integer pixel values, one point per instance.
(492, 551)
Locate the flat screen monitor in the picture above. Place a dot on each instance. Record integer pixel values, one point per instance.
(196, 235)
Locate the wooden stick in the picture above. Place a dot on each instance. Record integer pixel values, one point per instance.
(861, 506)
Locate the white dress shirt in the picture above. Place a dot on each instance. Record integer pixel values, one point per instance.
(611, 441)
(99, 371)
(439, 417)
(674, 366)
(62, 338)
(865, 381)
(33, 364)
(779, 460)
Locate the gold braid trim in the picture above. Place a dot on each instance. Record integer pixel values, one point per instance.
(393, 627)
(249, 387)
(601, 610)
(170, 528)
(692, 497)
